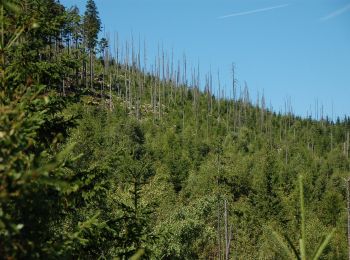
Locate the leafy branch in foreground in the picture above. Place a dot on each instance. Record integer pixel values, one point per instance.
(286, 246)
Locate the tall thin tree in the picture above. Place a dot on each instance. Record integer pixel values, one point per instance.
(92, 26)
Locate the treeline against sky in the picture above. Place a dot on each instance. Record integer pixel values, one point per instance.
(118, 156)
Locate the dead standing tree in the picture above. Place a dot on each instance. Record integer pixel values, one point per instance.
(347, 183)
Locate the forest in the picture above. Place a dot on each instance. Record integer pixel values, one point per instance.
(103, 156)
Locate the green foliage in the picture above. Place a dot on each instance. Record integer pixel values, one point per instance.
(187, 233)
(33, 163)
(92, 24)
(148, 167)
(304, 253)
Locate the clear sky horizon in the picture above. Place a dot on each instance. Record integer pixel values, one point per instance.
(292, 51)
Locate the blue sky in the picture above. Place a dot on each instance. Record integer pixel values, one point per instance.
(297, 50)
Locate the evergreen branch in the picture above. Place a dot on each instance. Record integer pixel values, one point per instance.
(323, 245)
(16, 35)
(280, 241)
(138, 254)
(293, 247)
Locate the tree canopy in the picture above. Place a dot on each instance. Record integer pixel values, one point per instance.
(148, 164)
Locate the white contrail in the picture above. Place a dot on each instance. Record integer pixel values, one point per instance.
(253, 11)
(336, 13)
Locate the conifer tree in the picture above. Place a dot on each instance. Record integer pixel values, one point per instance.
(32, 181)
(92, 26)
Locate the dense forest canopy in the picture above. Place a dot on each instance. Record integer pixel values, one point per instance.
(101, 158)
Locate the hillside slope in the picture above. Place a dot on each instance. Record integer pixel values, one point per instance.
(205, 166)
(102, 157)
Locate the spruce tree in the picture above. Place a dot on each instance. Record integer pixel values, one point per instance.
(33, 172)
(92, 26)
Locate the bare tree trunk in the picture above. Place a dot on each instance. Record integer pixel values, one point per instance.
(219, 212)
(347, 145)
(211, 92)
(91, 70)
(110, 93)
(218, 97)
(348, 207)
(233, 97)
(77, 58)
(262, 116)
(159, 99)
(227, 238)
(63, 88)
(84, 66)
(344, 148)
(130, 91)
(219, 233)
